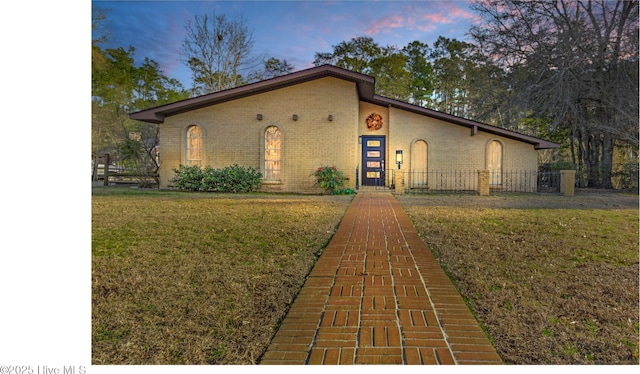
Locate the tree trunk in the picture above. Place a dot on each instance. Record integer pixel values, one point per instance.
(607, 160)
(593, 163)
(581, 159)
(572, 141)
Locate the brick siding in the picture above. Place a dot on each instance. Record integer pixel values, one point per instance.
(232, 134)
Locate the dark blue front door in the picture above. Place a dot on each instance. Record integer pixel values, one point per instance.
(373, 152)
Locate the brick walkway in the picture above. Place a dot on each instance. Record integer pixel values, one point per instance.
(378, 296)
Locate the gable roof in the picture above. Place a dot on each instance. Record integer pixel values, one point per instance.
(364, 84)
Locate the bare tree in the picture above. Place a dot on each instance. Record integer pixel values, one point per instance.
(217, 50)
(577, 70)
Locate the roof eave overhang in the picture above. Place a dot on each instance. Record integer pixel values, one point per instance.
(538, 143)
(365, 86)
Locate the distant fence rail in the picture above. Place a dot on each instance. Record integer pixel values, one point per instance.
(133, 179)
(114, 175)
(466, 181)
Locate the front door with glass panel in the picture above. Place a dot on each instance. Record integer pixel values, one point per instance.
(373, 152)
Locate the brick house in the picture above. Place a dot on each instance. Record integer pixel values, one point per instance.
(287, 127)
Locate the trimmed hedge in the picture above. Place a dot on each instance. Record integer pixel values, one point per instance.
(234, 179)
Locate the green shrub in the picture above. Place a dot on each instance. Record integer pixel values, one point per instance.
(562, 165)
(189, 178)
(233, 178)
(329, 178)
(344, 191)
(236, 179)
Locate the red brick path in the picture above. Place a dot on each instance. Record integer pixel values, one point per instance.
(378, 296)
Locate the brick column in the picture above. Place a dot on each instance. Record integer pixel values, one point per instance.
(483, 182)
(399, 181)
(567, 182)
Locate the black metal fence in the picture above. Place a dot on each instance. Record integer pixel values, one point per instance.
(466, 181)
(452, 181)
(532, 181)
(548, 182)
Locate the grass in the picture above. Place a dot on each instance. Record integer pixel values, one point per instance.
(182, 278)
(553, 280)
(187, 278)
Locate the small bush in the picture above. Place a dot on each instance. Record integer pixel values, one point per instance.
(344, 191)
(188, 178)
(329, 178)
(562, 165)
(235, 179)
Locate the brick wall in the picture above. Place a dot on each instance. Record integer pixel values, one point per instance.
(452, 146)
(233, 135)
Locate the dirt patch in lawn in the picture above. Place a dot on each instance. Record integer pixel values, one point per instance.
(553, 279)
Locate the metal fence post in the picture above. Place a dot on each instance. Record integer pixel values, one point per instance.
(107, 162)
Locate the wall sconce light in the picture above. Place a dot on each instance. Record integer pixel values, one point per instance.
(259, 117)
(330, 118)
(399, 157)
(295, 117)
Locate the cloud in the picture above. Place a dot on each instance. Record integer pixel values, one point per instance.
(421, 16)
(387, 23)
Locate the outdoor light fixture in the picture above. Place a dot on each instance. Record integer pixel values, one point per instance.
(399, 157)
(330, 118)
(259, 117)
(295, 117)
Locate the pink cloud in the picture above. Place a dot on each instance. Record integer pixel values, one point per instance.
(421, 17)
(387, 23)
(457, 12)
(438, 18)
(447, 13)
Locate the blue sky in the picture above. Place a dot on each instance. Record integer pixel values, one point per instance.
(287, 30)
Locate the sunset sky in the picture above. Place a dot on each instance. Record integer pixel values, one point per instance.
(287, 30)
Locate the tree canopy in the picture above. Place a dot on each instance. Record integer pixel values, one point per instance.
(435, 77)
(573, 66)
(363, 55)
(120, 86)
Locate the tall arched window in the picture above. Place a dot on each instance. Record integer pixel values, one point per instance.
(419, 164)
(272, 153)
(194, 146)
(494, 162)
